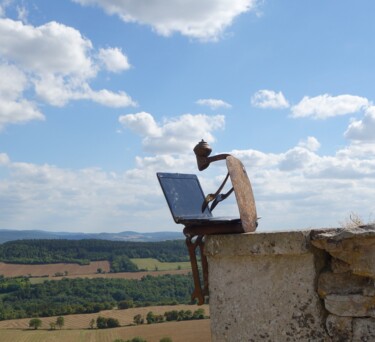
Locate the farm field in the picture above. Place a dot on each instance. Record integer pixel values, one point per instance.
(16, 270)
(47, 271)
(76, 327)
(82, 321)
(120, 275)
(187, 331)
(150, 264)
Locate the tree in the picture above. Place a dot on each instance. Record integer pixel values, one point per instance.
(150, 318)
(60, 321)
(166, 339)
(92, 323)
(171, 315)
(125, 304)
(52, 325)
(35, 323)
(112, 322)
(137, 339)
(101, 322)
(138, 319)
(199, 314)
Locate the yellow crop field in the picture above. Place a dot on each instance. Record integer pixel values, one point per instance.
(82, 321)
(76, 327)
(187, 331)
(16, 270)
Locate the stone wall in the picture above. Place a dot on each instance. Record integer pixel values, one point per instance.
(347, 285)
(293, 286)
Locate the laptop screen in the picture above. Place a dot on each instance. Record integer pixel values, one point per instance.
(184, 195)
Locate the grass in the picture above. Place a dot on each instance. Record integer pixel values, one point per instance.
(150, 264)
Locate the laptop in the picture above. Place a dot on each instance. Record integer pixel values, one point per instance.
(185, 197)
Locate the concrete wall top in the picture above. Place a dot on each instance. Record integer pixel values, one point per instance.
(259, 243)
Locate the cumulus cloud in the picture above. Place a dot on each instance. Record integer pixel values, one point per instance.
(269, 99)
(363, 130)
(325, 106)
(113, 59)
(13, 108)
(296, 158)
(55, 61)
(213, 103)
(51, 48)
(72, 199)
(310, 143)
(296, 188)
(176, 135)
(202, 19)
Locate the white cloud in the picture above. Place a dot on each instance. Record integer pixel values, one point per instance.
(213, 103)
(363, 130)
(293, 189)
(176, 135)
(4, 159)
(111, 99)
(269, 99)
(22, 13)
(310, 143)
(55, 61)
(325, 106)
(49, 48)
(113, 59)
(202, 19)
(88, 199)
(13, 108)
(296, 158)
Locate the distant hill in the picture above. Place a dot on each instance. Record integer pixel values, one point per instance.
(11, 235)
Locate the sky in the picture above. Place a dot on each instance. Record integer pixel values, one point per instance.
(96, 96)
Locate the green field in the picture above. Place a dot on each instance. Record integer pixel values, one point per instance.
(150, 264)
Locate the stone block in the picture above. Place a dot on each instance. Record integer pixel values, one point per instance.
(350, 305)
(354, 246)
(363, 330)
(339, 266)
(339, 328)
(343, 284)
(262, 287)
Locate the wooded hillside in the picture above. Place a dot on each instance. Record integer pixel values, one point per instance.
(19, 298)
(84, 251)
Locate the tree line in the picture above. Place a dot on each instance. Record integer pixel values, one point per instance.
(118, 253)
(19, 298)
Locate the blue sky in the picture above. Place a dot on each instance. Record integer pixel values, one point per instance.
(96, 96)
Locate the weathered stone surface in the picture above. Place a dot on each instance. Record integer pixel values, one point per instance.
(363, 330)
(355, 246)
(350, 305)
(343, 284)
(339, 328)
(369, 290)
(339, 266)
(262, 287)
(271, 243)
(339, 234)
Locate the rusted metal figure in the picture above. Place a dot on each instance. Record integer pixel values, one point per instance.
(202, 151)
(195, 233)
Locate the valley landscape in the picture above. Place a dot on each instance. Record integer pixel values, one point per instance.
(117, 280)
